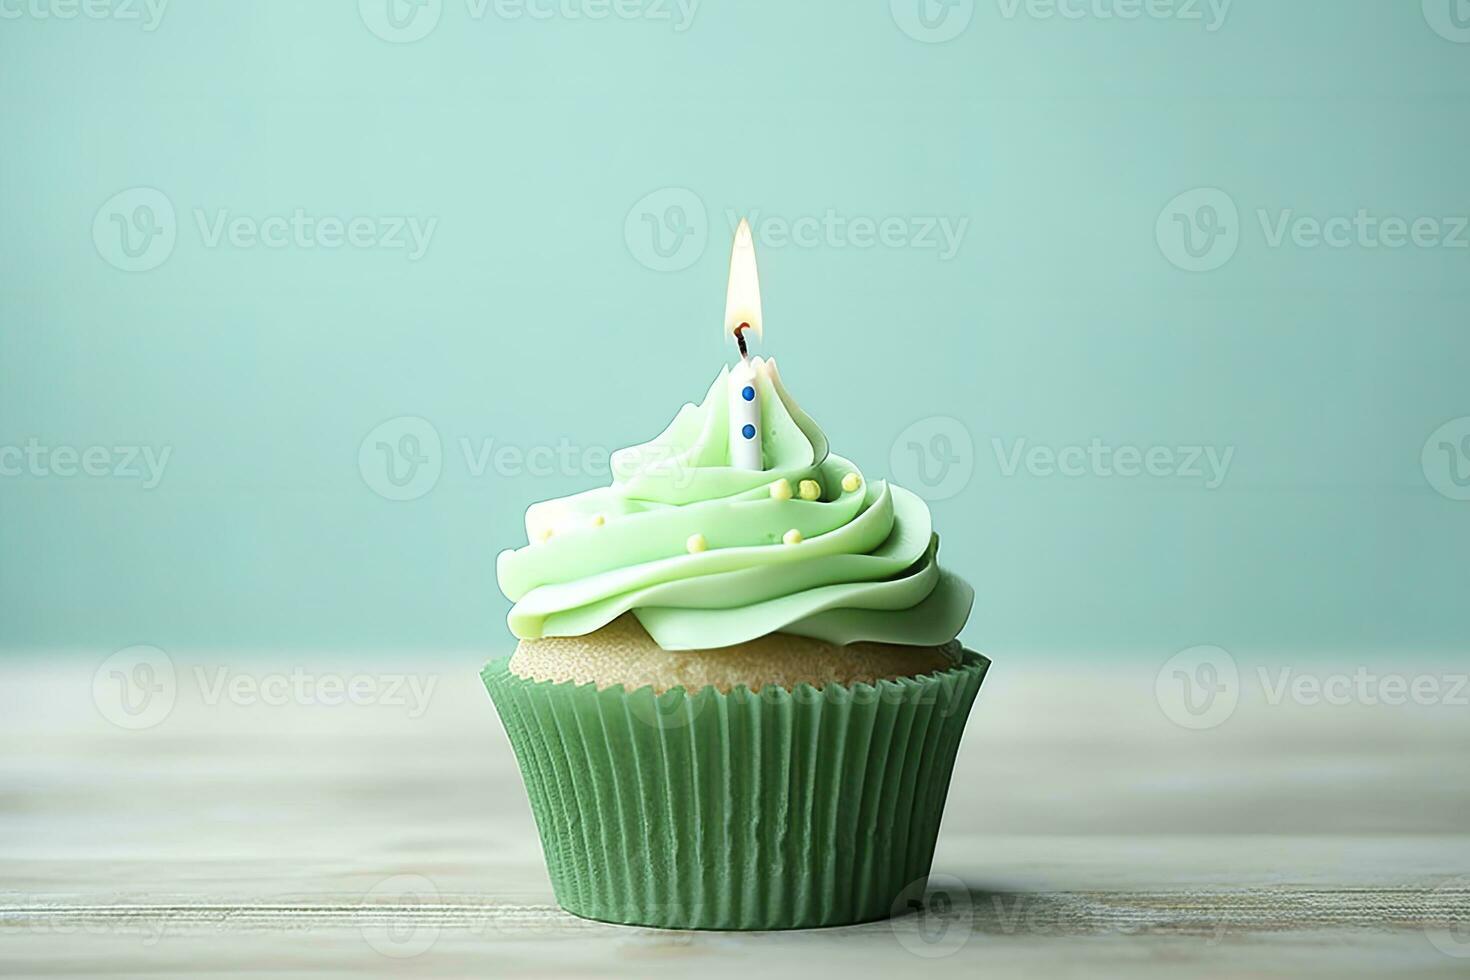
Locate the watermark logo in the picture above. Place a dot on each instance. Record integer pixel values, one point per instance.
(934, 457)
(148, 13)
(136, 688)
(1198, 688)
(932, 21)
(1363, 686)
(406, 21)
(934, 917)
(1208, 464)
(667, 230)
(276, 689)
(1450, 933)
(301, 230)
(391, 919)
(135, 230)
(402, 458)
(1210, 13)
(1199, 231)
(941, 234)
(400, 21)
(566, 458)
(1450, 19)
(678, 13)
(143, 463)
(1362, 229)
(669, 711)
(1446, 459)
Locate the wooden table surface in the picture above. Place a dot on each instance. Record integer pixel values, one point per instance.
(257, 823)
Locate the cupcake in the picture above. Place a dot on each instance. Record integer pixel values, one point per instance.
(737, 697)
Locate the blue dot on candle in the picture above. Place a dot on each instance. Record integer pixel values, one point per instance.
(748, 393)
(748, 432)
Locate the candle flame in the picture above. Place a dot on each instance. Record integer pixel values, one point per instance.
(743, 295)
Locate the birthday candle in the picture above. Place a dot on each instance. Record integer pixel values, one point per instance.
(745, 418)
(742, 316)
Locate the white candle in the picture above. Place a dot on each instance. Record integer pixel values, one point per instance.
(745, 418)
(743, 317)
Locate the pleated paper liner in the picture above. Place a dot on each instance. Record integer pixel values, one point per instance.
(771, 810)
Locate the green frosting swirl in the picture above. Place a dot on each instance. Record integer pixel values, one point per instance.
(866, 569)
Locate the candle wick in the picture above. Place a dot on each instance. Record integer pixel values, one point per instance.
(740, 341)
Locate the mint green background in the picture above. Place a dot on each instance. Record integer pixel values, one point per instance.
(530, 320)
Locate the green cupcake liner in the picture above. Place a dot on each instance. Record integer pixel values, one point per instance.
(770, 810)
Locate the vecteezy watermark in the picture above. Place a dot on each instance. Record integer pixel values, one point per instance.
(566, 458)
(144, 463)
(1209, 464)
(678, 14)
(404, 21)
(1198, 688)
(832, 229)
(933, 917)
(391, 920)
(675, 708)
(137, 229)
(1446, 459)
(1363, 686)
(1209, 13)
(400, 21)
(936, 919)
(667, 230)
(301, 230)
(148, 925)
(937, 21)
(403, 459)
(147, 13)
(1363, 229)
(1200, 230)
(299, 686)
(136, 687)
(1449, 932)
(934, 457)
(1450, 19)
(932, 21)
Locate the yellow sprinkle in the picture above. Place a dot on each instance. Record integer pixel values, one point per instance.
(598, 520)
(851, 482)
(792, 536)
(546, 533)
(810, 490)
(781, 490)
(696, 544)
